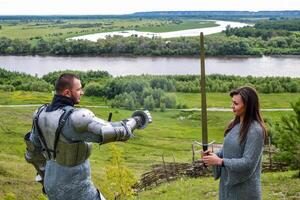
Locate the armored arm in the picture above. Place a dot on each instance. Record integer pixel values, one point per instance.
(83, 120)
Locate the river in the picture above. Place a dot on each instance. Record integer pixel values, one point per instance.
(118, 66)
(182, 33)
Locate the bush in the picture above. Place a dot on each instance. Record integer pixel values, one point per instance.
(94, 89)
(39, 86)
(7, 88)
(120, 178)
(125, 100)
(149, 103)
(169, 101)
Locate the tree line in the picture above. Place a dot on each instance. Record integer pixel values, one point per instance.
(236, 43)
(101, 83)
(149, 91)
(284, 24)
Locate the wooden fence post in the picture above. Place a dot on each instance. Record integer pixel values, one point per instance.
(166, 173)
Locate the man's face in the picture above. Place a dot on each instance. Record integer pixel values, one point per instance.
(76, 91)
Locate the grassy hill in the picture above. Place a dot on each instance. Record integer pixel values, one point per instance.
(171, 133)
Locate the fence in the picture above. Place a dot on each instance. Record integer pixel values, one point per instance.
(168, 171)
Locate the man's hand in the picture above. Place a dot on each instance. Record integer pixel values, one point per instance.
(143, 118)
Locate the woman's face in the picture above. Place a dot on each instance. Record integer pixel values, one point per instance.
(237, 106)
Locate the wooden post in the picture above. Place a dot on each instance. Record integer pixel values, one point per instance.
(174, 165)
(270, 154)
(166, 173)
(193, 153)
(154, 170)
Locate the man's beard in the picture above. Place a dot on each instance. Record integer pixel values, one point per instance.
(75, 100)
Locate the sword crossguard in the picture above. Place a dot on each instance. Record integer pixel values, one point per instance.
(201, 144)
(205, 146)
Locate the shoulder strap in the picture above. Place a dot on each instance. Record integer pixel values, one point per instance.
(68, 110)
(36, 124)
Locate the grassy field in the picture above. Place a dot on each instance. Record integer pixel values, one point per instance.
(24, 97)
(275, 100)
(171, 133)
(187, 24)
(192, 100)
(69, 28)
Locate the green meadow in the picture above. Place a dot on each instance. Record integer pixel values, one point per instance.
(171, 134)
(191, 100)
(273, 100)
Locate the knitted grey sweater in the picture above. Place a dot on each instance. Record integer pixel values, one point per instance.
(240, 176)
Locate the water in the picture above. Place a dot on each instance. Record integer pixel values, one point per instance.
(118, 66)
(185, 33)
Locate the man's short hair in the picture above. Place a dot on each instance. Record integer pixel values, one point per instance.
(65, 81)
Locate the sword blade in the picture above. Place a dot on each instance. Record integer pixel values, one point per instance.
(203, 94)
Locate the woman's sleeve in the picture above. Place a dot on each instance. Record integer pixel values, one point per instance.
(217, 169)
(241, 169)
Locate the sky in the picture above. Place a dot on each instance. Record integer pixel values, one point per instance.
(103, 7)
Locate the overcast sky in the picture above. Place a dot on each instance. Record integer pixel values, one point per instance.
(78, 7)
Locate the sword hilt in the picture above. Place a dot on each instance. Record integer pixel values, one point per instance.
(204, 146)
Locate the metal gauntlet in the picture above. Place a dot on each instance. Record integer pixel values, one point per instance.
(34, 157)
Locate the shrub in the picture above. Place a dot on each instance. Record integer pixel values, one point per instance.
(94, 89)
(287, 138)
(7, 88)
(120, 178)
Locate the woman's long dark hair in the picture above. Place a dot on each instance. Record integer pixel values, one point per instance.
(252, 112)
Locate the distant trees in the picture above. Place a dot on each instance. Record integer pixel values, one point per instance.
(101, 83)
(285, 24)
(239, 41)
(248, 31)
(135, 92)
(94, 89)
(7, 88)
(85, 77)
(10, 81)
(146, 91)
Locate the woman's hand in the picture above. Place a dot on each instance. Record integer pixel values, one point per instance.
(205, 153)
(212, 159)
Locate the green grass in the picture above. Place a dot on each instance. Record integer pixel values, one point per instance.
(171, 133)
(275, 186)
(275, 100)
(25, 97)
(191, 24)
